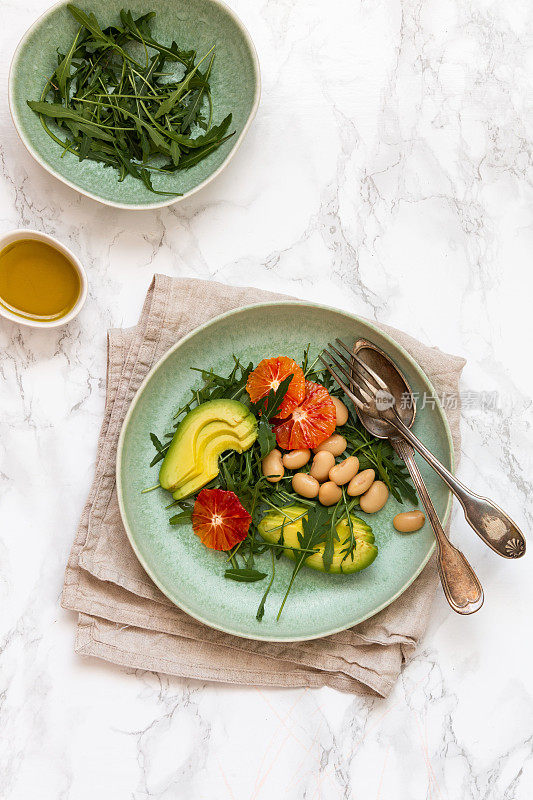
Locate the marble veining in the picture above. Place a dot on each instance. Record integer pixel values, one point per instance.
(388, 173)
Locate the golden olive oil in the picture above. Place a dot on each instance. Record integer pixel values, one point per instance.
(37, 281)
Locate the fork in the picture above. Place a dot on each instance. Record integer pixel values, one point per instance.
(460, 583)
(371, 394)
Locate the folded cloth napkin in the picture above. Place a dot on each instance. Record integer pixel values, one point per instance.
(125, 619)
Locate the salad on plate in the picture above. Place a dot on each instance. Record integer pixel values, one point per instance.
(272, 458)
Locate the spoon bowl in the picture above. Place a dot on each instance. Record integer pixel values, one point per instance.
(396, 384)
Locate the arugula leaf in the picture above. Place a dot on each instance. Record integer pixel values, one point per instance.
(243, 575)
(181, 518)
(331, 538)
(191, 159)
(156, 443)
(266, 438)
(62, 72)
(161, 449)
(88, 21)
(131, 25)
(194, 108)
(313, 528)
(168, 104)
(261, 608)
(175, 152)
(59, 112)
(213, 134)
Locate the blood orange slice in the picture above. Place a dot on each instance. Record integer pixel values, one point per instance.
(268, 374)
(310, 423)
(219, 519)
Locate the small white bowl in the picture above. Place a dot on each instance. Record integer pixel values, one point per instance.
(23, 233)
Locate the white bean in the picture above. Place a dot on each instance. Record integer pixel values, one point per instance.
(341, 412)
(409, 521)
(322, 463)
(272, 466)
(374, 498)
(344, 471)
(296, 459)
(362, 481)
(329, 493)
(305, 485)
(335, 444)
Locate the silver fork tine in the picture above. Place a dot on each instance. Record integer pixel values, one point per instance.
(343, 386)
(345, 360)
(380, 382)
(372, 389)
(367, 397)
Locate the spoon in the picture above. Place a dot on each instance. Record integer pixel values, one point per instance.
(459, 581)
(491, 524)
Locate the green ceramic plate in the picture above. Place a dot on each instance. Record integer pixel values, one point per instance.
(192, 576)
(197, 24)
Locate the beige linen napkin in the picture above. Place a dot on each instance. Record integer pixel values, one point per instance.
(125, 619)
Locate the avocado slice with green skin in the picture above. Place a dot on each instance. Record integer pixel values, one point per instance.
(227, 422)
(210, 470)
(207, 436)
(365, 551)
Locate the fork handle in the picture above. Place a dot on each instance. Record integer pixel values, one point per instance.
(490, 523)
(460, 583)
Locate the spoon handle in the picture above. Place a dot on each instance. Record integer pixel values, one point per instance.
(460, 583)
(490, 523)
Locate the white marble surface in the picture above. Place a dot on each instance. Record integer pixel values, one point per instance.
(386, 173)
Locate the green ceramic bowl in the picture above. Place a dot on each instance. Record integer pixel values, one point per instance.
(198, 24)
(192, 576)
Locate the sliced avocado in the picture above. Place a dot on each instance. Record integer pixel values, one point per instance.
(207, 437)
(227, 422)
(365, 552)
(209, 461)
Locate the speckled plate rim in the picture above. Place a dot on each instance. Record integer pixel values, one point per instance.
(157, 203)
(235, 313)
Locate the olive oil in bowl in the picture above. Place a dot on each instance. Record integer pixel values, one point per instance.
(39, 284)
